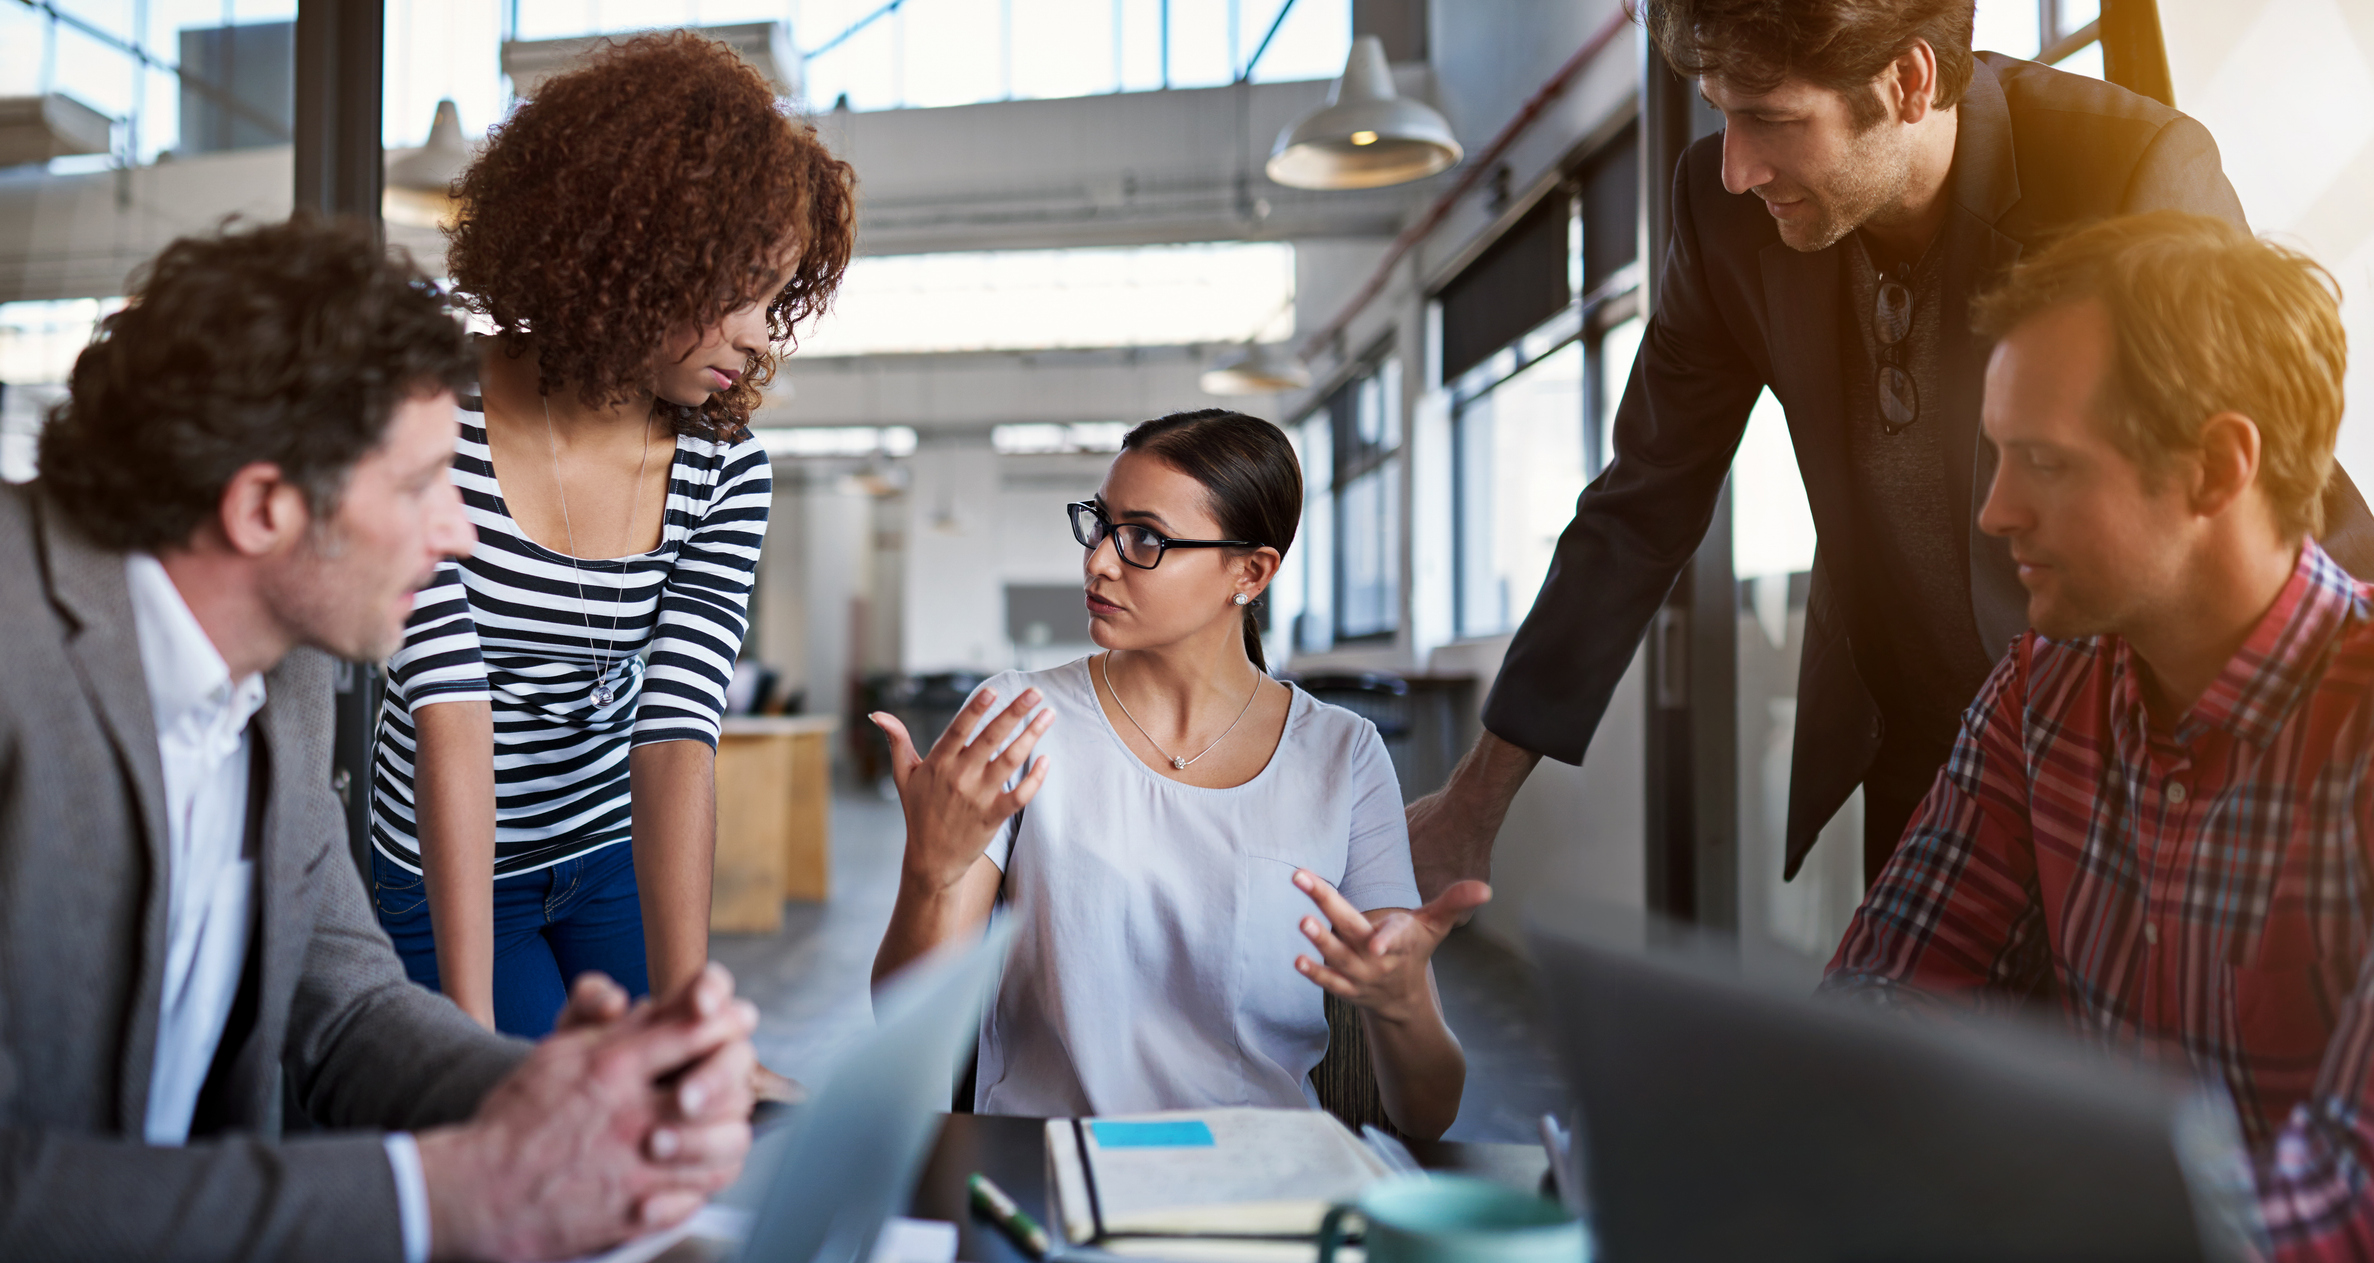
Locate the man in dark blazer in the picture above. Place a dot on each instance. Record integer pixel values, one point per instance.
(249, 476)
(1873, 177)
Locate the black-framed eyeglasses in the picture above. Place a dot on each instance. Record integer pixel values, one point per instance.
(1891, 322)
(1140, 546)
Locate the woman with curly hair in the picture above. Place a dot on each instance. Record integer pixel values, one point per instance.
(643, 235)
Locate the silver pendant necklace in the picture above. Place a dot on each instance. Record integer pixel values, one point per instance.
(1105, 664)
(603, 693)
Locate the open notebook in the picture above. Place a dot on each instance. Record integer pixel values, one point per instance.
(1203, 1186)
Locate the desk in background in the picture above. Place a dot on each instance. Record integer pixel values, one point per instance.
(1013, 1153)
(774, 819)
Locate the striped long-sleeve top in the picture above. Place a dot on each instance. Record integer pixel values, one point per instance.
(518, 625)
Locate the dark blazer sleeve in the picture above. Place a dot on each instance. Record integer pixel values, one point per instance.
(2180, 170)
(1684, 408)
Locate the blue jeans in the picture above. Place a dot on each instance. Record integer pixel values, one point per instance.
(550, 926)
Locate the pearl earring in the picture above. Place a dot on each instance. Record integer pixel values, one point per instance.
(1242, 599)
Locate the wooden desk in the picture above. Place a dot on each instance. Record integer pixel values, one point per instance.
(1013, 1153)
(774, 819)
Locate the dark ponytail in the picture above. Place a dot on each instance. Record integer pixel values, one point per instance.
(1249, 471)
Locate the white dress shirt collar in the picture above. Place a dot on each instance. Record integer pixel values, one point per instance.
(188, 681)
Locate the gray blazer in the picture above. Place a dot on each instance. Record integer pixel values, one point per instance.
(82, 943)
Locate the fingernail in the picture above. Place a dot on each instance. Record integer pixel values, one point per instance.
(691, 1097)
(1302, 879)
(667, 1208)
(665, 1143)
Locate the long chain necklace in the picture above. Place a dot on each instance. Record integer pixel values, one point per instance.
(603, 694)
(1105, 664)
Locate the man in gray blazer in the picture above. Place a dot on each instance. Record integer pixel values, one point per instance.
(249, 477)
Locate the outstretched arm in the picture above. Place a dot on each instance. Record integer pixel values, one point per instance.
(1381, 962)
(1451, 829)
(955, 799)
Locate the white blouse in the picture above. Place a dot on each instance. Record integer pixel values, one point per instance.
(1154, 966)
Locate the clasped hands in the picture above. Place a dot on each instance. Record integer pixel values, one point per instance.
(623, 1121)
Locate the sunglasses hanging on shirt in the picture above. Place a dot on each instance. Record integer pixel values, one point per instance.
(1891, 321)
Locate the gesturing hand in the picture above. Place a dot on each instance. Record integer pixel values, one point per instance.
(955, 797)
(1378, 961)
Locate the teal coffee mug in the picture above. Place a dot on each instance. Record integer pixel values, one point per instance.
(1455, 1219)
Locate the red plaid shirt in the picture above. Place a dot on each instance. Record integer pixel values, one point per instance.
(2201, 897)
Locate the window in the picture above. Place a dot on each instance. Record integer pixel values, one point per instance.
(1348, 583)
(1365, 416)
(1089, 296)
(2066, 34)
(793, 442)
(1519, 466)
(1041, 438)
(1314, 623)
(876, 55)
(1530, 415)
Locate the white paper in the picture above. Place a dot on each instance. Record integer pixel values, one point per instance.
(721, 1224)
(1267, 1172)
(916, 1241)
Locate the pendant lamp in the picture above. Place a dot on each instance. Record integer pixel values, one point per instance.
(1260, 370)
(1365, 136)
(419, 184)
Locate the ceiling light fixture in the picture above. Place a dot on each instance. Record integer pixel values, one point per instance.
(1262, 369)
(1366, 136)
(420, 184)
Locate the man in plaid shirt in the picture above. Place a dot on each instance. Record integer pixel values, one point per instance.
(2157, 813)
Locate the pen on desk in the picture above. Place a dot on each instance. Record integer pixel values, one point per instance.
(992, 1201)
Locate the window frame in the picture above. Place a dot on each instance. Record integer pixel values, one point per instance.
(1352, 459)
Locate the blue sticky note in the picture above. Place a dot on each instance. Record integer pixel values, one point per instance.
(1180, 1134)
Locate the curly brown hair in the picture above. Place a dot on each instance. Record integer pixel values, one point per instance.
(290, 343)
(655, 188)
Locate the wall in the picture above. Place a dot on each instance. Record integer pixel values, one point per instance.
(975, 522)
(2287, 87)
(822, 582)
(1574, 834)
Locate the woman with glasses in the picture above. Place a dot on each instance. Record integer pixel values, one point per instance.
(1193, 849)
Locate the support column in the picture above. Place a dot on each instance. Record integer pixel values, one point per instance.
(340, 48)
(1692, 739)
(340, 51)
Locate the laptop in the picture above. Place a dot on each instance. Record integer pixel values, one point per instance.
(1724, 1118)
(820, 1186)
